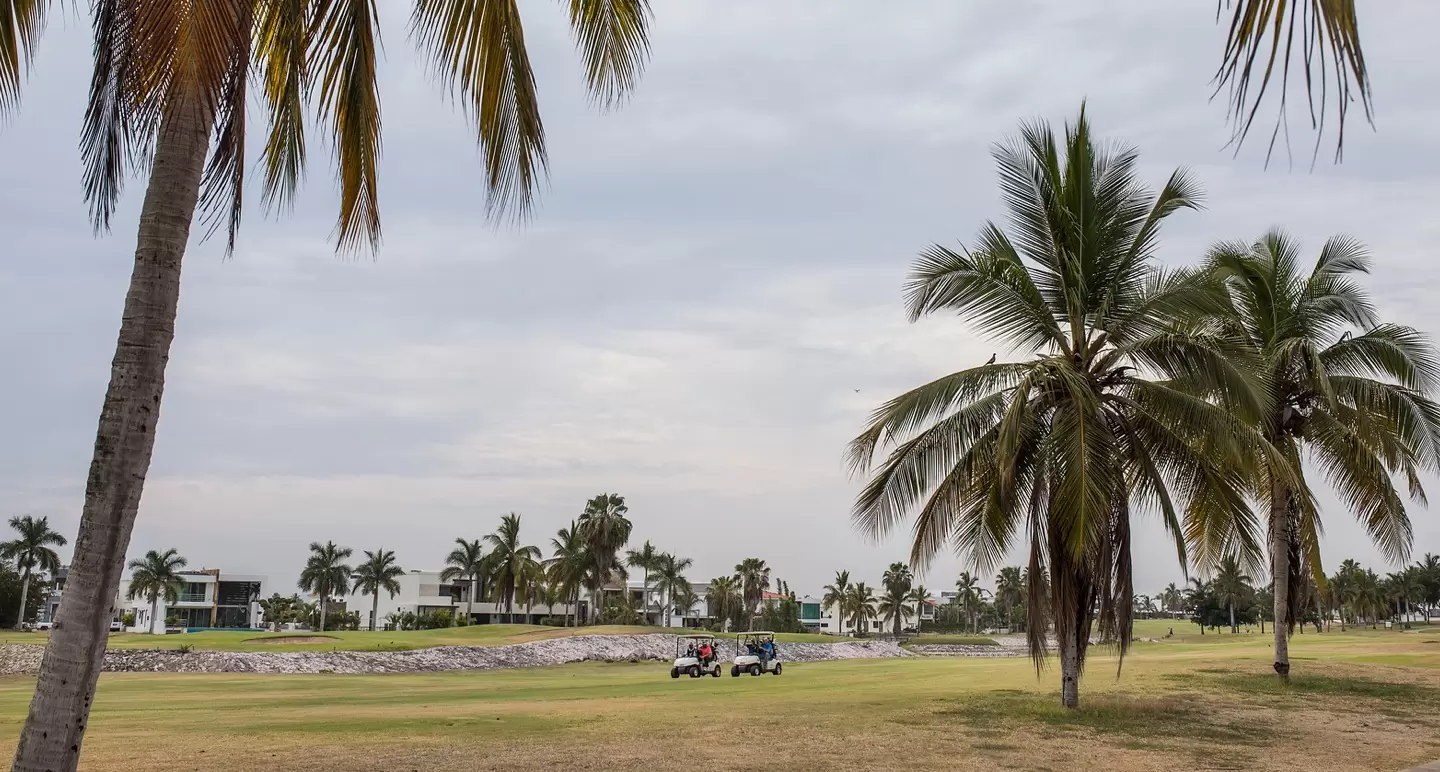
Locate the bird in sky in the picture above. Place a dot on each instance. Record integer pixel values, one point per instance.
(992, 360)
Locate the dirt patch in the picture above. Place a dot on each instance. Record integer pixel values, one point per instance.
(291, 639)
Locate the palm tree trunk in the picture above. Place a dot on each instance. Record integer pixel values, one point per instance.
(154, 612)
(1233, 629)
(1070, 672)
(55, 728)
(322, 612)
(375, 610)
(470, 602)
(1280, 574)
(24, 591)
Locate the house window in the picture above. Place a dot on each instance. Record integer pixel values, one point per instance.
(192, 592)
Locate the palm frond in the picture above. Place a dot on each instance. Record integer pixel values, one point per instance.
(478, 50)
(1388, 350)
(21, 22)
(614, 43)
(344, 50)
(1325, 37)
(1363, 483)
(281, 43)
(223, 184)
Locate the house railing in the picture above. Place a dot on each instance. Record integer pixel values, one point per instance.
(192, 597)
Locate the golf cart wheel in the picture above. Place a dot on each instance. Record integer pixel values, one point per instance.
(716, 671)
(694, 671)
(755, 669)
(734, 671)
(674, 672)
(776, 671)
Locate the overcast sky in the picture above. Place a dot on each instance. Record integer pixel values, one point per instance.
(713, 273)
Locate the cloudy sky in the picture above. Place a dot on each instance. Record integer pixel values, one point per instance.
(713, 273)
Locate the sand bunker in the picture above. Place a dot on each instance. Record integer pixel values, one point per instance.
(284, 639)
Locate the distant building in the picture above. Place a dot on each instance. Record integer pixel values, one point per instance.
(207, 599)
(51, 605)
(423, 592)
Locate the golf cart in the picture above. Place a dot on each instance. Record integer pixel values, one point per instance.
(688, 660)
(749, 651)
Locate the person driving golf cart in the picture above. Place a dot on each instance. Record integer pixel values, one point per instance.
(706, 653)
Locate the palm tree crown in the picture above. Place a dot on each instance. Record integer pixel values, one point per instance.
(510, 561)
(156, 576)
(1057, 449)
(377, 573)
(836, 597)
(326, 574)
(31, 551)
(466, 561)
(753, 576)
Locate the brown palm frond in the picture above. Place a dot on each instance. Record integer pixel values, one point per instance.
(614, 42)
(223, 185)
(344, 51)
(478, 51)
(1323, 34)
(20, 24)
(108, 139)
(281, 43)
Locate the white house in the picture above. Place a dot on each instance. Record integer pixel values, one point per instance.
(207, 599)
(422, 592)
(51, 606)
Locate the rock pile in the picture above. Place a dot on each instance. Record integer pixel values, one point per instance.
(25, 658)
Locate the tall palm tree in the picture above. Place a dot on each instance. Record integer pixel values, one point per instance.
(375, 573)
(466, 561)
(326, 574)
(895, 601)
(1009, 592)
(1429, 567)
(606, 531)
(1231, 583)
(861, 605)
(684, 599)
(967, 592)
(31, 551)
(1358, 404)
(169, 88)
(510, 562)
(836, 595)
(644, 559)
(919, 597)
(753, 576)
(569, 564)
(1102, 418)
(1172, 598)
(670, 580)
(156, 576)
(725, 598)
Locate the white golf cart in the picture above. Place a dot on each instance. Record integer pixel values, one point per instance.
(749, 655)
(688, 660)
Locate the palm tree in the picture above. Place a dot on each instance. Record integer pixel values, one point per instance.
(725, 598)
(326, 574)
(861, 605)
(509, 562)
(377, 572)
(753, 576)
(1358, 404)
(670, 580)
(894, 603)
(155, 576)
(1172, 599)
(835, 597)
(1429, 568)
(644, 559)
(967, 592)
(1231, 583)
(683, 599)
(1009, 592)
(919, 597)
(1104, 417)
(169, 88)
(466, 561)
(31, 551)
(606, 530)
(569, 564)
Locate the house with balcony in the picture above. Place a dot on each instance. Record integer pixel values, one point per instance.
(205, 600)
(424, 592)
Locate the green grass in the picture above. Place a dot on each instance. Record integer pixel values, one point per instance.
(1362, 700)
(475, 635)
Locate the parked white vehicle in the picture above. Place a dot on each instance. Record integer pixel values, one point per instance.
(688, 660)
(750, 655)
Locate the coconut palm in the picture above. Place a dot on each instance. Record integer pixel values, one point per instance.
(156, 576)
(31, 551)
(326, 574)
(920, 596)
(968, 594)
(1009, 592)
(466, 561)
(169, 88)
(375, 573)
(1057, 449)
(726, 600)
(895, 601)
(1429, 567)
(1343, 388)
(860, 602)
(670, 581)
(1230, 585)
(753, 576)
(1172, 599)
(606, 531)
(644, 559)
(683, 598)
(509, 562)
(569, 564)
(835, 597)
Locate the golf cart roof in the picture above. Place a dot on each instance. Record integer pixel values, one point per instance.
(698, 635)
